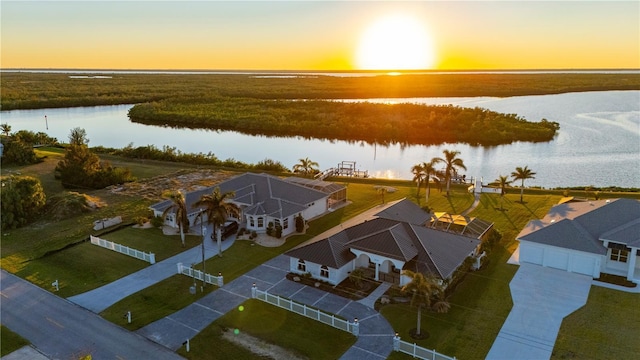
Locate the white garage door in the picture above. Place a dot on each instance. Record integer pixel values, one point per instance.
(531, 253)
(583, 265)
(556, 259)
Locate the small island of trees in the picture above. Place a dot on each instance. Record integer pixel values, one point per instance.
(351, 121)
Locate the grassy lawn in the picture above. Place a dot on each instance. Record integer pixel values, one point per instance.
(10, 341)
(607, 327)
(303, 336)
(482, 302)
(152, 240)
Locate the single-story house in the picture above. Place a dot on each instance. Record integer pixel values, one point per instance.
(588, 237)
(265, 199)
(401, 236)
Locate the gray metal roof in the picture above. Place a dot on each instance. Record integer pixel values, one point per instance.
(566, 234)
(406, 211)
(330, 251)
(423, 249)
(260, 194)
(584, 225)
(444, 250)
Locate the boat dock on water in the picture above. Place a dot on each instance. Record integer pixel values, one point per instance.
(344, 168)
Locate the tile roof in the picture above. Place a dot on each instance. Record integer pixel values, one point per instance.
(584, 225)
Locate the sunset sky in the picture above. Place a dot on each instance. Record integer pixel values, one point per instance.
(322, 35)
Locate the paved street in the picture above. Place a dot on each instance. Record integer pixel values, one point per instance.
(62, 330)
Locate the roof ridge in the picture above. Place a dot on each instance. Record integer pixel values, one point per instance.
(425, 248)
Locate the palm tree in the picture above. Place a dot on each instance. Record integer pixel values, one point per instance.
(306, 167)
(217, 208)
(429, 170)
(179, 206)
(452, 163)
(503, 182)
(420, 288)
(418, 176)
(5, 128)
(522, 174)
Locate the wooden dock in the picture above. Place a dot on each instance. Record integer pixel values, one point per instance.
(344, 168)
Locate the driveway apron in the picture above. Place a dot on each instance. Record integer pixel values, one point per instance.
(542, 297)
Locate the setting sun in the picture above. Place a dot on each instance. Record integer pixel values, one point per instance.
(395, 43)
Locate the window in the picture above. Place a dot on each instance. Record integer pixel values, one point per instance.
(619, 252)
(252, 222)
(324, 271)
(285, 223)
(619, 255)
(276, 222)
(301, 265)
(260, 222)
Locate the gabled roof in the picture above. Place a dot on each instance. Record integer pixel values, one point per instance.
(330, 252)
(445, 251)
(260, 194)
(421, 248)
(584, 225)
(393, 242)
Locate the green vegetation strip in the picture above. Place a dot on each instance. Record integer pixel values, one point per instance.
(302, 336)
(10, 341)
(24, 90)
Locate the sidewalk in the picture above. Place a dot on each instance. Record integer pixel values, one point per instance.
(99, 299)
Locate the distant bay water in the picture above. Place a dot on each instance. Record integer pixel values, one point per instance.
(598, 143)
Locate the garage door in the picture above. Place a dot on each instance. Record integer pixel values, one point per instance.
(583, 265)
(557, 259)
(531, 254)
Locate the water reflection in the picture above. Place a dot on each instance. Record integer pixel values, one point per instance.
(598, 143)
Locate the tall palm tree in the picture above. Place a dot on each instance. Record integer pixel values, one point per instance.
(306, 167)
(418, 176)
(503, 182)
(420, 287)
(5, 129)
(217, 208)
(452, 163)
(429, 169)
(179, 206)
(522, 173)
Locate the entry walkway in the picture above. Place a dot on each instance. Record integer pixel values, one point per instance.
(375, 340)
(542, 297)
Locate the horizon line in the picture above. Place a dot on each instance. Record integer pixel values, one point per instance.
(408, 71)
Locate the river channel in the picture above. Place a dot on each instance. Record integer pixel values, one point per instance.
(598, 143)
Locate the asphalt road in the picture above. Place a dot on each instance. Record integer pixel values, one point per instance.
(63, 330)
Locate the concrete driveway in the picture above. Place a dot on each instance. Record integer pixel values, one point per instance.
(542, 297)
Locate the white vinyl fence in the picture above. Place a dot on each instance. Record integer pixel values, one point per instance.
(197, 274)
(302, 309)
(148, 257)
(418, 351)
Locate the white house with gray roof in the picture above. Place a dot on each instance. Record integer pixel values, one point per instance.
(400, 237)
(265, 199)
(591, 238)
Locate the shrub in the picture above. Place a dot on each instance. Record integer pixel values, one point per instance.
(278, 232)
(299, 223)
(157, 221)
